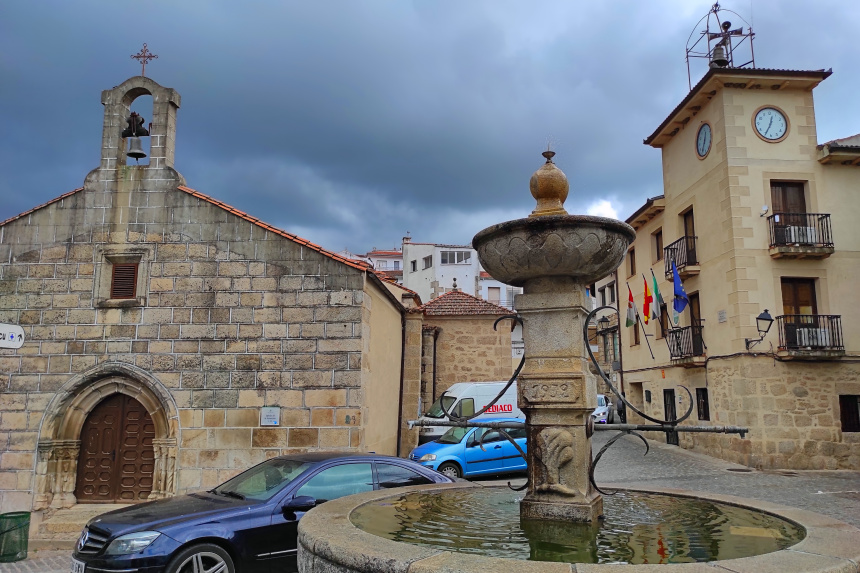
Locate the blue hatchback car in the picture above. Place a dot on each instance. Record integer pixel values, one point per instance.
(458, 452)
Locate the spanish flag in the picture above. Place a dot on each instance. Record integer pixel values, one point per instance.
(648, 305)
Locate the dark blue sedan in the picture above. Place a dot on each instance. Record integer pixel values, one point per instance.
(248, 523)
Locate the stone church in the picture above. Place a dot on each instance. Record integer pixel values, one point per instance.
(171, 340)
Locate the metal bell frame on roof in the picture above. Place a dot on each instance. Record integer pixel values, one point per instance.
(720, 33)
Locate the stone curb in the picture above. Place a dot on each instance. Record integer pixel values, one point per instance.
(328, 541)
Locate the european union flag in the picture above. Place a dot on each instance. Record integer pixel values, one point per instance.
(681, 301)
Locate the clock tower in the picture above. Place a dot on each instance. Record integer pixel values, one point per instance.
(758, 221)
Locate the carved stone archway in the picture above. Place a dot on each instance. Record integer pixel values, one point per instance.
(59, 435)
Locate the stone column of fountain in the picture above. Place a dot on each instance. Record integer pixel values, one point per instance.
(553, 256)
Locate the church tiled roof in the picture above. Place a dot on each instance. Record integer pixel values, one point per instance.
(458, 303)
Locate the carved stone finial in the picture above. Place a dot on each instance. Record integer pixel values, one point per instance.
(550, 187)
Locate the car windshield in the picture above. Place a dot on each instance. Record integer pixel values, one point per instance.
(435, 410)
(453, 436)
(601, 401)
(262, 481)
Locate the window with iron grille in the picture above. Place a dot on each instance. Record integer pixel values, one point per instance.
(702, 405)
(123, 280)
(849, 412)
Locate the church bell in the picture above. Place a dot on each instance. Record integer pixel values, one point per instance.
(135, 148)
(718, 58)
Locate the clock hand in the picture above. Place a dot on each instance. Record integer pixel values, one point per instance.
(768, 126)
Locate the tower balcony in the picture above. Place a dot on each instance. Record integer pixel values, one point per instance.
(800, 235)
(810, 336)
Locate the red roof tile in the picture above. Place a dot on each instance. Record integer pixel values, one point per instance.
(361, 265)
(458, 303)
(58, 199)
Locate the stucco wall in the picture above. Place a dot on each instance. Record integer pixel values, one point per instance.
(381, 371)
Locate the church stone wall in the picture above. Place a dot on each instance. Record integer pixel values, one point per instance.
(231, 318)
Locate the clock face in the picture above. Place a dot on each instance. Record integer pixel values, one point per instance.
(703, 140)
(771, 124)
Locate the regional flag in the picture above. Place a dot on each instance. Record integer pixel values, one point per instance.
(658, 298)
(631, 309)
(648, 305)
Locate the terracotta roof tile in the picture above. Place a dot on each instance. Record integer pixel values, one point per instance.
(458, 303)
(56, 200)
(361, 265)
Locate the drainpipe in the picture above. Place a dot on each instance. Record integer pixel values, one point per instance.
(620, 352)
(402, 375)
(435, 338)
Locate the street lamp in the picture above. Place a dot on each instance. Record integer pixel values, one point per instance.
(602, 324)
(763, 322)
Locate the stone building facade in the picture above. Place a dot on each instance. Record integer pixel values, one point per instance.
(460, 343)
(160, 322)
(755, 221)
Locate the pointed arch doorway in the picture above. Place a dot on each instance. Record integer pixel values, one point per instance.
(117, 459)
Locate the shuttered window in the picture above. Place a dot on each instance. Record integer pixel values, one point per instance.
(123, 280)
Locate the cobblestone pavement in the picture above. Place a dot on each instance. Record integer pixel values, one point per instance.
(833, 493)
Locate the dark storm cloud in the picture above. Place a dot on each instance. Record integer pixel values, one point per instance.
(353, 122)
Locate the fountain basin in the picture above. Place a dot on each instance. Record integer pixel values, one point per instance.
(581, 247)
(329, 541)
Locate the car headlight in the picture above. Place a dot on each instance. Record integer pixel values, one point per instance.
(427, 458)
(131, 543)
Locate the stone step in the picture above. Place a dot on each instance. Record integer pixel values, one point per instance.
(62, 529)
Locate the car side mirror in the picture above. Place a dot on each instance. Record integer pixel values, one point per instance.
(299, 503)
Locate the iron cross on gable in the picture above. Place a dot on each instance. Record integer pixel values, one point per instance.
(143, 57)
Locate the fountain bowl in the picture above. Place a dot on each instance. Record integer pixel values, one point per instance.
(581, 247)
(329, 542)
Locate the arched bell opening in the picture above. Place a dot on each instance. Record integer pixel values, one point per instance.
(69, 421)
(137, 132)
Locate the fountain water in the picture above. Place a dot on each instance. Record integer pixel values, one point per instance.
(552, 255)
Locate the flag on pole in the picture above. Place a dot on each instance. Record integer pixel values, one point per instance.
(648, 305)
(680, 301)
(631, 309)
(658, 298)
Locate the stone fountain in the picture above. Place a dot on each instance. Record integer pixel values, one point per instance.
(553, 256)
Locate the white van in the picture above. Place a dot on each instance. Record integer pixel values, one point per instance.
(466, 398)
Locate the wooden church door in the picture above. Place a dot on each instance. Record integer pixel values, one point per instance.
(117, 459)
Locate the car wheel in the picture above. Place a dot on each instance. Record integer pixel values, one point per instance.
(610, 417)
(450, 469)
(202, 558)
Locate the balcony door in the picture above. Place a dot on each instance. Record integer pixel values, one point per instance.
(787, 197)
(690, 237)
(789, 213)
(799, 307)
(696, 325)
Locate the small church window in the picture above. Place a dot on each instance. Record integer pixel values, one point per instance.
(123, 280)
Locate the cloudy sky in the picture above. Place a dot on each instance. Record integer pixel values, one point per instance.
(352, 122)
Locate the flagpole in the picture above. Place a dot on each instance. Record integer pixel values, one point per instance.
(660, 304)
(639, 318)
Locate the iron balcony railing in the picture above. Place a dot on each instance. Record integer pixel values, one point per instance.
(809, 229)
(810, 332)
(683, 252)
(685, 342)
